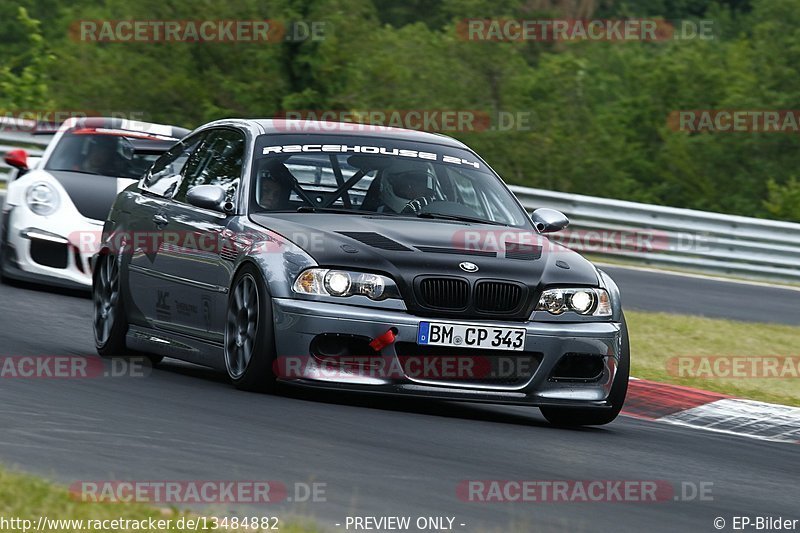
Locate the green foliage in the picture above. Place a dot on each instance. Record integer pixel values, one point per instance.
(596, 112)
(23, 78)
(783, 201)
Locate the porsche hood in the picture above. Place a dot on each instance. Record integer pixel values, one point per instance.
(91, 194)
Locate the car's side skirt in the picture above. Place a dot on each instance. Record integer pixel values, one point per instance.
(177, 346)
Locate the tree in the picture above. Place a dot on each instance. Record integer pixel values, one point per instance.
(24, 79)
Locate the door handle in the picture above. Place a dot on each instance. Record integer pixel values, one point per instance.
(160, 219)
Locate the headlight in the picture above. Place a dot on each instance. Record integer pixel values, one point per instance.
(337, 282)
(42, 198)
(343, 283)
(584, 301)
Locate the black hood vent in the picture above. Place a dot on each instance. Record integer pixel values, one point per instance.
(376, 240)
(527, 252)
(456, 251)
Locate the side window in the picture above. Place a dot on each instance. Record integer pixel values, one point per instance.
(165, 174)
(217, 161)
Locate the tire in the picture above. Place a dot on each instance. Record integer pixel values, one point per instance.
(249, 333)
(3, 278)
(109, 321)
(4, 249)
(577, 416)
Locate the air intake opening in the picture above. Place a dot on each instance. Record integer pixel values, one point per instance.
(76, 254)
(578, 367)
(49, 254)
(333, 346)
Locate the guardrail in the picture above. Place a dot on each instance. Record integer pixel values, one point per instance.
(9, 140)
(672, 237)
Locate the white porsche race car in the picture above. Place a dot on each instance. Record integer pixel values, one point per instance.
(53, 212)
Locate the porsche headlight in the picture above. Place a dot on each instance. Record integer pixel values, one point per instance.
(584, 301)
(343, 283)
(42, 198)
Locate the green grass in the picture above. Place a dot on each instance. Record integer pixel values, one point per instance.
(657, 337)
(27, 497)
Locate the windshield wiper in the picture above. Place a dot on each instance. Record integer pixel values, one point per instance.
(460, 218)
(312, 209)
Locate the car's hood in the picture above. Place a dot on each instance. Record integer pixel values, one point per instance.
(91, 194)
(406, 248)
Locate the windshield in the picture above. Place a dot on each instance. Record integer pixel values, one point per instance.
(393, 179)
(101, 154)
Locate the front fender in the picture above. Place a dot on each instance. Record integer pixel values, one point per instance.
(613, 292)
(277, 258)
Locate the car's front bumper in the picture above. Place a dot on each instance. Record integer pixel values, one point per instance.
(298, 322)
(53, 250)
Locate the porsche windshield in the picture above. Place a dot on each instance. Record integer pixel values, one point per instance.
(101, 154)
(419, 181)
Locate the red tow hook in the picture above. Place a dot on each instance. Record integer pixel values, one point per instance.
(383, 340)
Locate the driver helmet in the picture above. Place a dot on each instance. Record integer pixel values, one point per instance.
(102, 154)
(275, 187)
(103, 144)
(402, 184)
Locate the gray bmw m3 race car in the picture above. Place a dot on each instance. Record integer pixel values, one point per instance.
(357, 258)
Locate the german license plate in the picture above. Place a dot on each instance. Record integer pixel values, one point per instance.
(471, 336)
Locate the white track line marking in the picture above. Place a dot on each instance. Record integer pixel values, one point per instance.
(748, 418)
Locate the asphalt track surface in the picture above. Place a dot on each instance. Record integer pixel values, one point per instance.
(376, 456)
(694, 295)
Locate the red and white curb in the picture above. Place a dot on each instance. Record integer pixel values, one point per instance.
(712, 411)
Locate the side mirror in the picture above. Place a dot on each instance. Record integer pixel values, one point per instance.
(209, 197)
(549, 220)
(17, 159)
